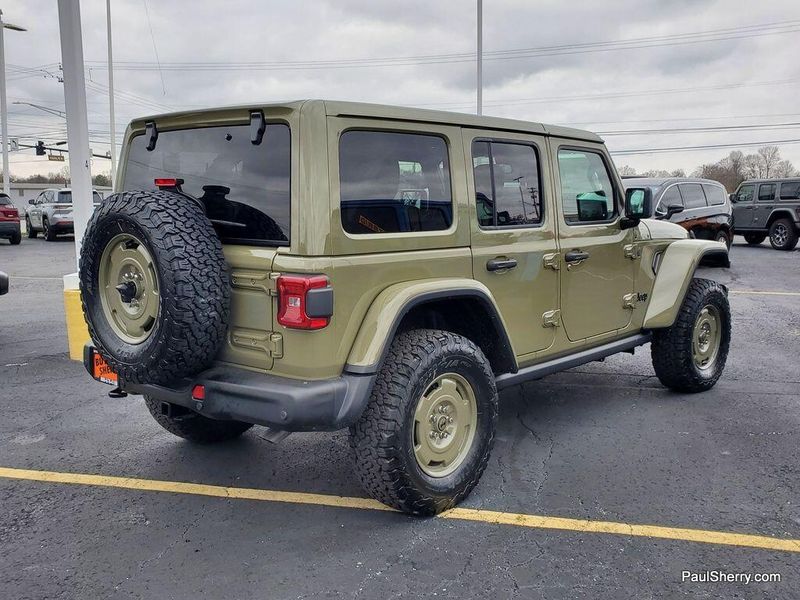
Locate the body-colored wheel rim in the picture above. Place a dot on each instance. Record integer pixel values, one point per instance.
(706, 338)
(128, 286)
(780, 234)
(445, 421)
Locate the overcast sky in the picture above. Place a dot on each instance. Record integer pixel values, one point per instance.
(709, 64)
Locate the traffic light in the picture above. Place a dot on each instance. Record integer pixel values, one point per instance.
(40, 151)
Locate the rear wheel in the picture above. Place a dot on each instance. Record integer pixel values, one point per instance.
(15, 238)
(194, 427)
(424, 439)
(690, 356)
(47, 231)
(754, 239)
(783, 235)
(32, 233)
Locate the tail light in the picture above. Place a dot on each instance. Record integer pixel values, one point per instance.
(304, 301)
(168, 183)
(9, 212)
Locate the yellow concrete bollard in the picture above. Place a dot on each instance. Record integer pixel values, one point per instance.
(77, 331)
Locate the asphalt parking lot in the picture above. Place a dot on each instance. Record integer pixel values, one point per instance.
(600, 443)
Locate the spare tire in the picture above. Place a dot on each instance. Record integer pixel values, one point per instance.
(155, 286)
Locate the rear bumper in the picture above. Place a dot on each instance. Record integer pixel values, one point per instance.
(278, 402)
(66, 225)
(9, 228)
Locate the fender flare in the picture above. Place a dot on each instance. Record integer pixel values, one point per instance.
(676, 270)
(390, 306)
(779, 213)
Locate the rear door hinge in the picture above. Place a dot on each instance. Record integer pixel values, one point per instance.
(632, 251)
(552, 261)
(269, 342)
(552, 318)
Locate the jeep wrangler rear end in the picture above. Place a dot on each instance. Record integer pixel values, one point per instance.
(320, 265)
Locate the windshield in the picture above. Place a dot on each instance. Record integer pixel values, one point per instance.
(243, 187)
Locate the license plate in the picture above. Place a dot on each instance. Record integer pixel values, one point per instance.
(101, 371)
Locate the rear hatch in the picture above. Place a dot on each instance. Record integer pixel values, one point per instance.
(244, 189)
(8, 212)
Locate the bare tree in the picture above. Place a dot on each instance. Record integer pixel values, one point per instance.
(768, 159)
(626, 171)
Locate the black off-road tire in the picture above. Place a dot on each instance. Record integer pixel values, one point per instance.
(32, 233)
(789, 241)
(671, 348)
(382, 439)
(47, 231)
(754, 239)
(15, 239)
(194, 285)
(195, 427)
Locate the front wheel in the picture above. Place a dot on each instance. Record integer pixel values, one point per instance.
(690, 356)
(424, 439)
(722, 236)
(194, 427)
(783, 235)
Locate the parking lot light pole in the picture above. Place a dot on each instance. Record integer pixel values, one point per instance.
(69, 24)
(3, 103)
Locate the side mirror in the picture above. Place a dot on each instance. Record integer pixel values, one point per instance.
(638, 205)
(673, 209)
(732, 197)
(32, 201)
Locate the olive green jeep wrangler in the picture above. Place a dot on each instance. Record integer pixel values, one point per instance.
(319, 265)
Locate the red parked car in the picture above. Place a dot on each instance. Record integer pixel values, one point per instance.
(9, 220)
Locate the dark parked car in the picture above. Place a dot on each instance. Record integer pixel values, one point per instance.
(700, 206)
(768, 207)
(9, 220)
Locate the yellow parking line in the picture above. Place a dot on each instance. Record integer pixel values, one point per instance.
(464, 514)
(754, 293)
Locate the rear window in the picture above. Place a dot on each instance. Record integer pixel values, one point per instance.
(64, 198)
(392, 182)
(790, 190)
(715, 194)
(4, 200)
(693, 196)
(243, 187)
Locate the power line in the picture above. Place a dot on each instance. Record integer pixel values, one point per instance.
(720, 129)
(777, 28)
(628, 152)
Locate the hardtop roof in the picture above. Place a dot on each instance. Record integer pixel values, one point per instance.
(401, 113)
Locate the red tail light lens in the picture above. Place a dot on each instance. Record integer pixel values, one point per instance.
(199, 392)
(293, 304)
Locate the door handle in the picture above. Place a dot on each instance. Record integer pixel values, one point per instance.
(576, 256)
(501, 264)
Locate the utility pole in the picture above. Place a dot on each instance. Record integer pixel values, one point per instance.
(3, 103)
(480, 57)
(69, 23)
(111, 96)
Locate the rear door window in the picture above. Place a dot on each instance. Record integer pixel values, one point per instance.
(715, 194)
(790, 190)
(766, 192)
(507, 184)
(671, 197)
(245, 188)
(393, 182)
(693, 196)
